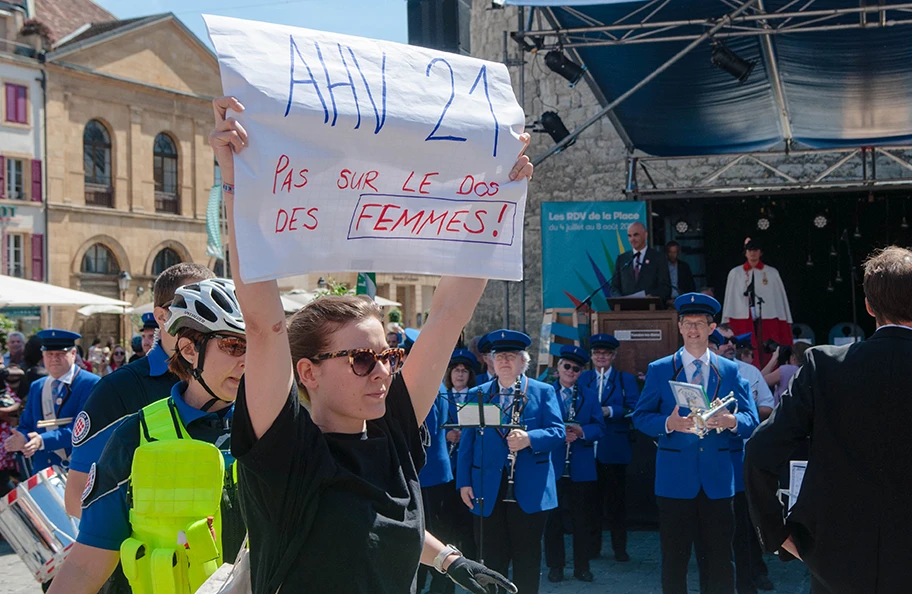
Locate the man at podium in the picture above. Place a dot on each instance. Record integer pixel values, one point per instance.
(641, 270)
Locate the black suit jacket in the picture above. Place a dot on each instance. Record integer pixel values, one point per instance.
(653, 276)
(853, 518)
(686, 282)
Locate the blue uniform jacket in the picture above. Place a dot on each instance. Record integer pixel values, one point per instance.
(582, 451)
(105, 521)
(684, 462)
(535, 486)
(620, 393)
(60, 438)
(437, 469)
(122, 393)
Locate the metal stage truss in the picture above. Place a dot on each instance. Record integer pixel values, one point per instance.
(539, 30)
(770, 173)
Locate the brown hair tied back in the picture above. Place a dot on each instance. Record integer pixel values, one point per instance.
(310, 329)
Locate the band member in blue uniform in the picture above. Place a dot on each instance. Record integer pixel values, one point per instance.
(617, 393)
(486, 474)
(695, 481)
(484, 348)
(57, 399)
(437, 489)
(458, 381)
(574, 465)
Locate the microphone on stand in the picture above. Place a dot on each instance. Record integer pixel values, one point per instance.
(588, 300)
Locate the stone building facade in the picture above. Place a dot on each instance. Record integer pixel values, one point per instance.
(593, 169)
(129, 169)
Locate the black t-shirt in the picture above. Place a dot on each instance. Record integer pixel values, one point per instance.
(356, 496)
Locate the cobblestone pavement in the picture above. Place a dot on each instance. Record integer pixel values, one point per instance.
(639, 576)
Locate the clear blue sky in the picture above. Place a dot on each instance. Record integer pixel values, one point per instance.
(379, 19)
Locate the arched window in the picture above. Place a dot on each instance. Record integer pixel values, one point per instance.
(96, 154)
(165, 259)
(99, 260)
(165, 170)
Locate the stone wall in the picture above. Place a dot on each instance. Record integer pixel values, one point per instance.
(592, 169)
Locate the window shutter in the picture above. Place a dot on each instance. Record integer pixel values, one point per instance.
(36, 180)
(22, 104)
(37, 257)
(2, 176)
(10, 102)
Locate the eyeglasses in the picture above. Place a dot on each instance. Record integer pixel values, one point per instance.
(574, 368)
(233, 346)
(695, 325)
(730, 340)
(119, 353)
(508, 356)
(363, 361)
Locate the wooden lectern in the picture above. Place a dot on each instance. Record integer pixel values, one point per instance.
(646, 332)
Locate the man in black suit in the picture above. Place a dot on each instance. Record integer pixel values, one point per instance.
(642, 268)
(851, 523)
(679, 272)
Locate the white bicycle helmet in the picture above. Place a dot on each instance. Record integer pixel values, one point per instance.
(207, 306)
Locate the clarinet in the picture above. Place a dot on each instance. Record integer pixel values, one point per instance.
(571, 418)
(515, 419)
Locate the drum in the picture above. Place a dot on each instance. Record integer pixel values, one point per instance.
(33, 520)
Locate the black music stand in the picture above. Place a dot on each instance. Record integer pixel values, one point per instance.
(480, 423)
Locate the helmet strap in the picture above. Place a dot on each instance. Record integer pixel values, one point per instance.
(197, 373)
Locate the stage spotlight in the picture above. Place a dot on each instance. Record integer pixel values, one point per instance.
(498, 4)
(682, 226)
(564, 66)
(830, 288)
(838, 276)
(904, 224)
(810, 262)
(527, 47)
(730, 62)
(833, 251)
(763, 223)
(820, 221)
(551, 123)
(857, 234)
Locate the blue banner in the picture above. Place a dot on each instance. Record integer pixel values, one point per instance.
(580, 244)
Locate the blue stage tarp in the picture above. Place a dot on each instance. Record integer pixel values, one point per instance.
(849, 87)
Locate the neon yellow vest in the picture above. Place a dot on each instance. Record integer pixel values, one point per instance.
(175, 515)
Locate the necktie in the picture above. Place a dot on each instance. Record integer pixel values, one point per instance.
(697, 378)
(56, 387)
(636, 266)
(567, 393)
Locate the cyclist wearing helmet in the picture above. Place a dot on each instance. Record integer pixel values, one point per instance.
(172, 455)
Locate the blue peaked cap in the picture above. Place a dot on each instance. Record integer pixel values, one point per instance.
(464, 356)
(603, 341)
(54, 339)
(574, 353)
(697, 303)
(508, 340)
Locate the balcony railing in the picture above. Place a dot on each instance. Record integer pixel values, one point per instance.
(99, 195)
(167, 202)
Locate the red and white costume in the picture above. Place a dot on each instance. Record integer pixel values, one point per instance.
(777, 317)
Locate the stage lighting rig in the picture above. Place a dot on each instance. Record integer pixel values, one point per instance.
(523, 42)
(560, 64)
(730, 62)
(551, 124)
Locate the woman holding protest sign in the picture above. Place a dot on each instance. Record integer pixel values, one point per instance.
(331, 495)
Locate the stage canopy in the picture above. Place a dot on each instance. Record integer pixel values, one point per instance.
(828, 74)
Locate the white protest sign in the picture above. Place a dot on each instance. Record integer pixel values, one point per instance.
(370, 156)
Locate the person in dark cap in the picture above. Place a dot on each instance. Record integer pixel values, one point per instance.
(695, 482)
(574, 465)
(756, 301)
(149, 327)
(56, 398)
(137, 345)
(459, 379)
(484, 349)
(512, 528)
(744, 349)
(617, 393)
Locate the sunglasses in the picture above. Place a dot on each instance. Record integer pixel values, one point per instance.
(233, 346)
(363, 361)
(573, 368)
(119, 353)
(730, 340)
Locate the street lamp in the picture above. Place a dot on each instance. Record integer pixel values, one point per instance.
(123, 283)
